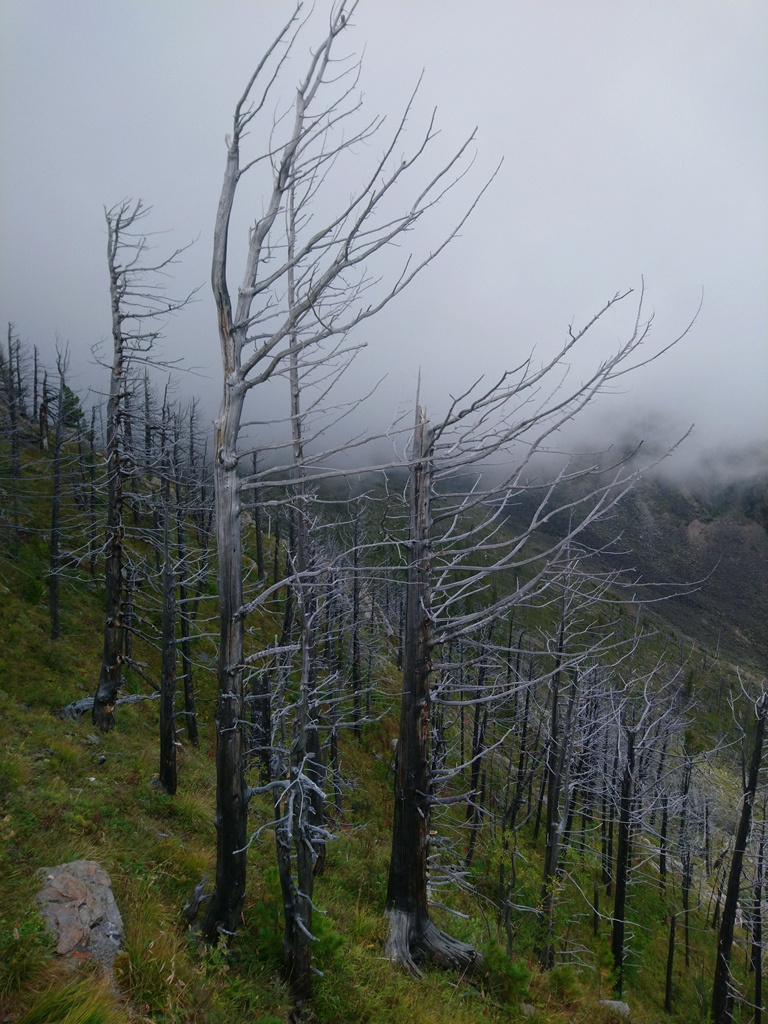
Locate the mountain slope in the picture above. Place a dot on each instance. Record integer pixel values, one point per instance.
(701, 553)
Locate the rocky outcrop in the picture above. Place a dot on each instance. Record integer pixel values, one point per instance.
(77, 903)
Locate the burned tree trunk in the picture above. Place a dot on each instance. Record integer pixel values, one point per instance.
(670, 964)
(112, 657)
(756, 961)
(55, 552)
(168, 670)
(356, 667)
(139, 309)
(299, 832)
(412, 936)
(226, 904)
(623, 854)
(722, 1000)
(13, 350)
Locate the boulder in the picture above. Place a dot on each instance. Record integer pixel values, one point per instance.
(77, 903)
(618, 1008)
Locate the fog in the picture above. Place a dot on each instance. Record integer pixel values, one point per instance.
(634, 140)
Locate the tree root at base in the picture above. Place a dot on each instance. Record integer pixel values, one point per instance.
(412, 942)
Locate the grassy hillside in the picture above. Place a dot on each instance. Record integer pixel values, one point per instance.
(67, 792)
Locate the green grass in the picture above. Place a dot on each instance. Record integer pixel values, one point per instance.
(80, 1000)
(67, 793)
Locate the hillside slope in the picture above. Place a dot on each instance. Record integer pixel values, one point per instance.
(95, 796)
(701, 553)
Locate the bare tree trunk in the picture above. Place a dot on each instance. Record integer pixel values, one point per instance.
(686, 857)
(35, 372)
(185, 613)
(623, 851)
(13, 403)
(112, 658)
(411, 934)
(721, 988)
(663, 843)
(139, 309)
(190, 713)
(558, 756)
(55, 553)
(226, 904)
(311, 756)
(257, 519)
(608, 872)
(356, 666)
(93, 550)
(718, 899)
(670, 964)
(43, 415)
(168, 669)
(261, 721)
(300, 826)
(475, 804)
(757, 929)
(557, 831)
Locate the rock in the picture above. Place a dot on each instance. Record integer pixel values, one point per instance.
(76, 902)
(616, 1005)
(528, 1009)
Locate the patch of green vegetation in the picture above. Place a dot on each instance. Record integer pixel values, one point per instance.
(80, 1000)
(25, 949)
(66, 793)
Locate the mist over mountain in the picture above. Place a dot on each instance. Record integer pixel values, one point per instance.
(695, 538)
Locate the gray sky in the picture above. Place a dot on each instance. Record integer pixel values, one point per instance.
(635, 142)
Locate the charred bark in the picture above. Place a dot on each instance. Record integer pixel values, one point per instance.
(168, 671)
(722, 1000)
(412, 938)
(55, 537)
(623, 853)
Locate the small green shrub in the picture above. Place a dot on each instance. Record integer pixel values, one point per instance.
(32, 590)
(503, 978)
(564, 984)
(25, 948)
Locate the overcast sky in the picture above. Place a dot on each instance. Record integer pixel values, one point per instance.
(634, 135)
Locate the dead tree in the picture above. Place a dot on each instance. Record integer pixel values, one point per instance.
(331, 291)
(189, 594)
(54, 570)
(460, 547)
(139, 307)
(411, 933)
(722, 990)
(12, 398)
(756, 957)
(168, 665)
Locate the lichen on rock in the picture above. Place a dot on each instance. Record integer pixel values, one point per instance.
(77, 903)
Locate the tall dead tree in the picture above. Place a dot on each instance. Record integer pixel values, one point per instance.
(55, 535)
(756, 958)
(189, 596)
(411, 933)
(260, 333)
(722, 989)
(12, 400)
(139, 308)
(168, 665)
(466, 554)
(299, 809)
